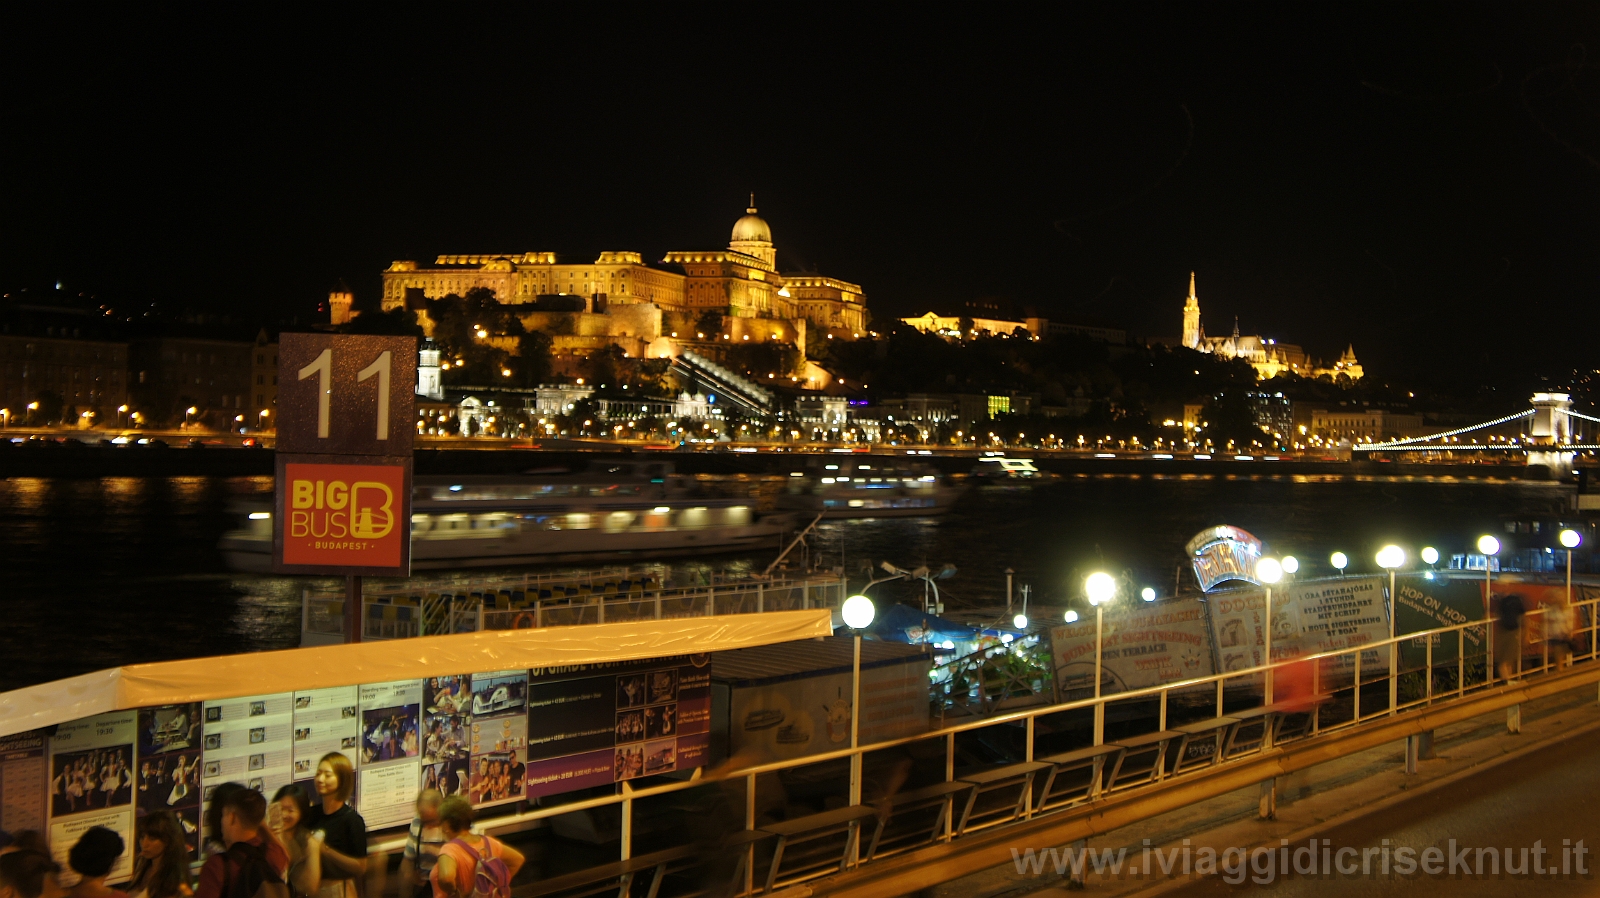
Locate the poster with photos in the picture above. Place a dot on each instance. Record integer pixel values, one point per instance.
(169, 762)
(390, 751)
(593, 725)
(247, 740)
(92, 783)
(498, 737)
(324, 721)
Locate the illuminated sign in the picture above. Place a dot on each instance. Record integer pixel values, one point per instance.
(1223, 553)
(343, 503)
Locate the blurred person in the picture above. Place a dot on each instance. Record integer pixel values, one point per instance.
(422, 846)
(1558, 633)
(286, 818)
(254, 862)
(29, 874)
(92, 857)
(161, 868)
(1508, 636)
(456, 872)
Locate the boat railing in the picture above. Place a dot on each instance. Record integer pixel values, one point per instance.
(402, 616)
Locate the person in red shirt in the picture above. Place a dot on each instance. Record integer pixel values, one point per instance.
(239, 869)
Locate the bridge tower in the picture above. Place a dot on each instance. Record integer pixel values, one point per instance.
(1552, 427)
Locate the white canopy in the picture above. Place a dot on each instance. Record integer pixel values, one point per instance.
(260, 673)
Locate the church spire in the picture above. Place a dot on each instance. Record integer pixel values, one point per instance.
(752, 209)
(1191, 287)
(1236, 327)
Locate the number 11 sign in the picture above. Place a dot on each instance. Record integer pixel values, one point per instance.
(346, 423)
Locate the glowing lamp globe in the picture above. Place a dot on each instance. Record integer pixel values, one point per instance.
(1269, 570)
(1488, 545)
(1290, 564)
(858, 612)
(1339, 560)
(1020, 622)
(1570, 538)
(1391, 557)
(1148, 594)
(1071, 616)
(1101, 587)
(1430, 555)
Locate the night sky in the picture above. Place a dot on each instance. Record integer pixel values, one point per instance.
(1421, 180)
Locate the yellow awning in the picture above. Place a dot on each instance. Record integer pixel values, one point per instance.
(261, 673)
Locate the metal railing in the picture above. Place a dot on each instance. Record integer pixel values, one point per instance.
(1026, 720)
(405, 614)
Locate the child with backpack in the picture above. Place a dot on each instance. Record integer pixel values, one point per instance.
(471, 865)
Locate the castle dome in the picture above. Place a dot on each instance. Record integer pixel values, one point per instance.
(752, 227)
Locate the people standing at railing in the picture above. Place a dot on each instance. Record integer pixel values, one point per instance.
(286, 818)
(465, 854)
(341, 831)
(422, 846)
(161, 869)
(1558, 633)
(1509, 610)
(92, 857)
(29, 874)
(254, 863)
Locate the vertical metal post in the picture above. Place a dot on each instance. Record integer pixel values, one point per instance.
(1219, 696)
(627, 820)
(711, 601)
(352, 609)
(855, 719)
(1267, 637)
(949, 777)
(601, 601)
(1412, 749)
(1488, 628)
(1161, 726)
(750, 825)
(1357, 717)
(1099, 706)
(1394, 653)
(1429, 663)
(1461, 662)
(538, 612)
(761, 597)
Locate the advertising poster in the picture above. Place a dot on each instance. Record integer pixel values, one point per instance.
(1307, 617)
(1144, 646)
(22, 782)
(790, 718)
(391, 751)
(92, 783)
(446, 733)
(325, 720)
(594, 725)
(1422, 604)
(248, 740)
(168, 776)
(498, 734)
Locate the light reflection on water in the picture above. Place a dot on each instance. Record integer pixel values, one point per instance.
(101, 572)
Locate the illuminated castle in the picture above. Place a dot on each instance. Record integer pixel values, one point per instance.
(1269, 357)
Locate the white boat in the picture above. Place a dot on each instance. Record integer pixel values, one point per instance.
(870, 487)
(623, 509)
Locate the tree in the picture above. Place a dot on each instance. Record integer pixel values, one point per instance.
(709, 322)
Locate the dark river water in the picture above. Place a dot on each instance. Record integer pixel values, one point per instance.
(96, 573)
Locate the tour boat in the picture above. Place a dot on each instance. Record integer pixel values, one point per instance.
(613, 509)
(872, 487)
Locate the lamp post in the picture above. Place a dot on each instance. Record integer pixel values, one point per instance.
(1569, 540)
(1340, 561)
(858, 612)
(1390, 558)
(1268, 571)
(1021, 620)
(1101, 588)
(1490, 547)
(123, 410)
(186, 413)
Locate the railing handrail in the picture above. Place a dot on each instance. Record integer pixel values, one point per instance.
(949, 732)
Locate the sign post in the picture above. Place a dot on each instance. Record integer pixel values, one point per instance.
(346, 406)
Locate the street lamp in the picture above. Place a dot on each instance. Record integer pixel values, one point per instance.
(1101, 588)
(1340, 561)
(1148, 594)
(1490, 547)
(1390, 558)
(1268, 571)
(1071, 616)
(858, 612)
(122, 410)
(1429, 555)
(1290, 564)
(186, 413)
(1569, 540)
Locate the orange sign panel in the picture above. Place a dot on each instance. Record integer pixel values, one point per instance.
(345, 515)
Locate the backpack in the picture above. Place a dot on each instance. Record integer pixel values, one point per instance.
(256, 877)
(491, 878)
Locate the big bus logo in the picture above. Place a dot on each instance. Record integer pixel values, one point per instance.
(333, 509)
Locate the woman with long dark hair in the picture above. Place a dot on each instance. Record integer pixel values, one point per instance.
(286, 817)
(161, 869)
